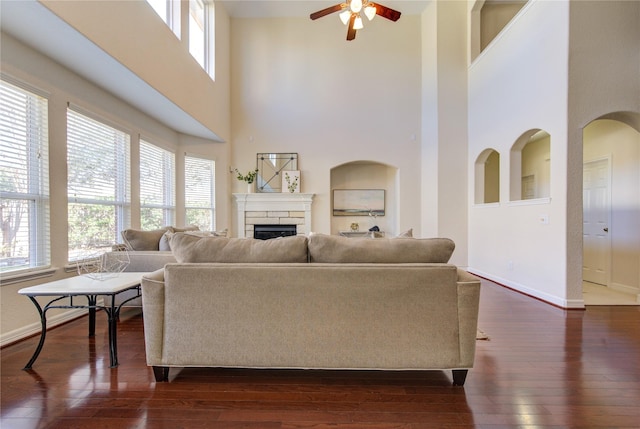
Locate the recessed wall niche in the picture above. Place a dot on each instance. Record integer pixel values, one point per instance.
(487, 177)
(367, 175)
(531, 166)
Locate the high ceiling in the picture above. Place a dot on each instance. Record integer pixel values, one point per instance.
(300, 8)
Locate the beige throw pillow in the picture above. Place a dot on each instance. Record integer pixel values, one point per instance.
(136, 239)
(188, 247)
(164, 240)
(337, 249)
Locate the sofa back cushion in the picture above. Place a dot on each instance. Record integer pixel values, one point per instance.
(335, 249)
(188, 247)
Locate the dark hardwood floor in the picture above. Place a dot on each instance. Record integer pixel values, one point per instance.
(542, 367)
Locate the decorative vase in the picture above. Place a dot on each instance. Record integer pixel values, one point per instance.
(250, 188)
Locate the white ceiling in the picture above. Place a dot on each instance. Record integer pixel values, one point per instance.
(299, 8)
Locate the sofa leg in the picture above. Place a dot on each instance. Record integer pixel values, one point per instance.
(459, 376)
(161, 373)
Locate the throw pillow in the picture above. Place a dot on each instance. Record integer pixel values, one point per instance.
(164, 240)
(406, 234)
(188, 247)
(136, 239)
(336, 249)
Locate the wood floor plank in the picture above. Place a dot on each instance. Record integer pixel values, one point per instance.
(541, 367)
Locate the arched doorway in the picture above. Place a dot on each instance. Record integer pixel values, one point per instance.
(611, 210)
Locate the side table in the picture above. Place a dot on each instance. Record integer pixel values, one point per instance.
(90, 288)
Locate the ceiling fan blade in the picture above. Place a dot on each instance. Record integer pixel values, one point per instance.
(387, 12)
(327, 11)
(351, 32)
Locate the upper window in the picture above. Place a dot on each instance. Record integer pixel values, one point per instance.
(169, 11)
(201, 34)
(24, 179)
(200, 192)
(157, 189)
(98, 184)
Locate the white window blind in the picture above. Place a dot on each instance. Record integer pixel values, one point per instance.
(24, 179)
(98, 183)
(200, 191)
(157, 186)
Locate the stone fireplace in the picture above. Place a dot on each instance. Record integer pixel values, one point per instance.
(277, 208)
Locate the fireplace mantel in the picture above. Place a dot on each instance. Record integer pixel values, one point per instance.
(273, 208)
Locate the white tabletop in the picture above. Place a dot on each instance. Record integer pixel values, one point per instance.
(84, 285)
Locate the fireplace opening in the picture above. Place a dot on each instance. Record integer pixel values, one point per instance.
(265, 232)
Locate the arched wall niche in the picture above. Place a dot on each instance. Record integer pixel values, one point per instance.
(487, 19)
(487, 177)
(363, 174)
(530, 166)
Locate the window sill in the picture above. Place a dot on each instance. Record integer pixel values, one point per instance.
(532, 202)
(27, 275)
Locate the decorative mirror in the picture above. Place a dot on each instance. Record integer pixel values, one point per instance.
(270, 167)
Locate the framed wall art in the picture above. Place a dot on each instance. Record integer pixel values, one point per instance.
(270, 168)
(358, 202)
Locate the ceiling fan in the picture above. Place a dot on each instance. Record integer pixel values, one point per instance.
(350, 14)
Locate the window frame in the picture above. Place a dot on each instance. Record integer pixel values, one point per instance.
(122, 188)
(208, 30)
(36, 168)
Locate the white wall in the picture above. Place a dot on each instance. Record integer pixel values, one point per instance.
(299, 86)
(444, 171)
(603, 79)
(557, 66)
(519, 83)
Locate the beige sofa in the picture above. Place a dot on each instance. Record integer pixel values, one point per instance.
(147, 250)
(325, 302)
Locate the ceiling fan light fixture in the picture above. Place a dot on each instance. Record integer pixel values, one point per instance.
(356, 6)
(344, 16)
(357, 24)
(370, 11)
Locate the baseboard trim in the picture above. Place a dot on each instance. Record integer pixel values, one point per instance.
(565, 304)
(32, 329)
(624, 288)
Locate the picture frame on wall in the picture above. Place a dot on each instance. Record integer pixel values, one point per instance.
(291, 181)
(358, 202)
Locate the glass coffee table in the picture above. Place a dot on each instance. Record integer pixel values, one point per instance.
(65, 291)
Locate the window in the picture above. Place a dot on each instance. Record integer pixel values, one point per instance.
(157, 189)
(169, 11)
(98, 184)
(200, 191)
(24, 179)
(201, 33)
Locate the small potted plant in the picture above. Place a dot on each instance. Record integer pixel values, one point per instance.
(249, 178)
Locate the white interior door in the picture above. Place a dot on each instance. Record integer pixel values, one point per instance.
(596, 201)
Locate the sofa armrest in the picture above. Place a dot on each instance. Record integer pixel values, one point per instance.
(468, 304)
(153, 310)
